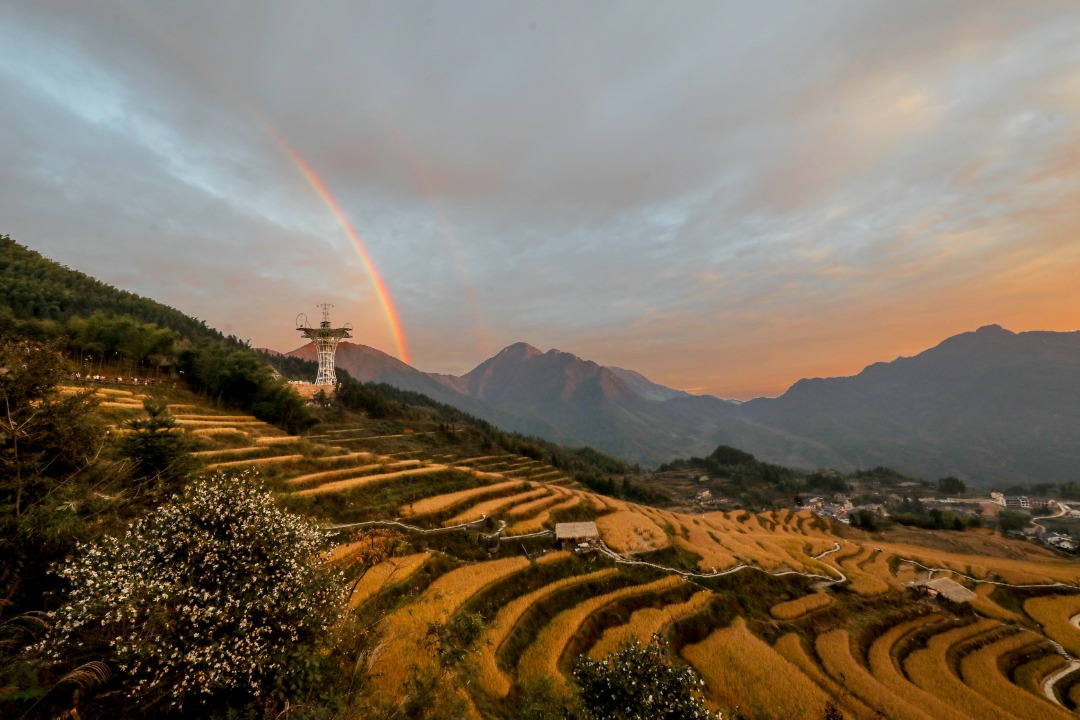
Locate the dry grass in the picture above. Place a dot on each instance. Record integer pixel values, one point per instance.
(403, 646)
(258, 462)
(626, 531)
(800, 606)
(791, 648)
(985, 606)
(341, 485)
(438, 503)
(491, 678)
(277, 439)
(885, 669)
(713, 555)
(1055, 614)
(742, 670)
(979, 670)
(643, 623)
(490, 507)
(834, 649)
(1030, 675)
(541, 659)
(527, 508)
(1036, 567)
(536, 523)
(929, 669)
(340, 473)
(387, 573)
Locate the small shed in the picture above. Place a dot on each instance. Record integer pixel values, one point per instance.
(575, 533)
(944, 588)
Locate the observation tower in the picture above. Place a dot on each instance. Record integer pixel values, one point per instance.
(326, 341)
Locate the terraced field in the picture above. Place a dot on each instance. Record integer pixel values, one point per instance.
(777, 611)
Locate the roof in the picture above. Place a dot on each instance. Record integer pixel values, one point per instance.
(950, 589)
(575, 530)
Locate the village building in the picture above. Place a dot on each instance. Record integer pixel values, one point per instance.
(576, 533)
(943, 589)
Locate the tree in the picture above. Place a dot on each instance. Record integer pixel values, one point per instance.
(49, 447)
(158, 446)
(218, 599)
(637, 682)
(1012, 520)
(949, 486)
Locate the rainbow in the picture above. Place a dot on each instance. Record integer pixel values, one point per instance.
(208, 73)
(381, 292)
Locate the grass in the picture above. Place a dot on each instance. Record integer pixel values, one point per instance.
(536, 523)
(801, 606)
(493, 506)
(1030, 675)
(791, 648)
(439, 503)
(403, 649)
(492, 679)
(741, 670)
(385, 574)
(885, 669)
(984, 604)
(931, 669)
(980, 670)
(541, 658)
(643, 623)
(701, 541)
(627, 531)
(1054, 614)
(834, 649)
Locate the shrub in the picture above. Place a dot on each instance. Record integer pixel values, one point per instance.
(637, 682)
(217, 597)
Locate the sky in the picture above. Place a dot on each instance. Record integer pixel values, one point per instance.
(723, 196)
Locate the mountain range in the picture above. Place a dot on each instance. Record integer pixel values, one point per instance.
(989, 406)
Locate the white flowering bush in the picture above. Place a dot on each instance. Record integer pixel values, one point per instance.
(215, 592)
(637, 682)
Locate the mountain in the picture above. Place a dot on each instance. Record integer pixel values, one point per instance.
(990, 406)
(367, 364)
(572, 401)
(987, 406)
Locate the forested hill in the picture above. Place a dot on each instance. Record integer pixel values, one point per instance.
(36, 291)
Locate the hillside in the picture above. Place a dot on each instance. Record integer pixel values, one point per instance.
(990, 406)
(746, 599)
(34, 289)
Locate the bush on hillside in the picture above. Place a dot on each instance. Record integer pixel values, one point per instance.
(637, 682)
(215, 600)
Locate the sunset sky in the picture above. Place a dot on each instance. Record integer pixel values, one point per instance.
(723, 196)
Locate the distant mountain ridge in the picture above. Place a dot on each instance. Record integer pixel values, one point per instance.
(989, 406)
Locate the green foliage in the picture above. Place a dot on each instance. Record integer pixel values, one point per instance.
(49, 447)
(950, 486)
(217, 599)
(731, 462)
(868, 520)
(638, 682)
(39, 294)
(1012, 520)
(236, 375)
(454, 640)
(158, 447)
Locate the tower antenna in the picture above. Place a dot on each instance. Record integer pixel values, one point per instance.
(326, 340)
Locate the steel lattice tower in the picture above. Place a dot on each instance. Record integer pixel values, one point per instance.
(326, 341)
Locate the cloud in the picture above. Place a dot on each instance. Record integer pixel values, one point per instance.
(720, 196)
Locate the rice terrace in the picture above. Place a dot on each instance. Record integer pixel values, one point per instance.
(467, 598)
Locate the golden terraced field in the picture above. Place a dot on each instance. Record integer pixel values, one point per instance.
(777, 612)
